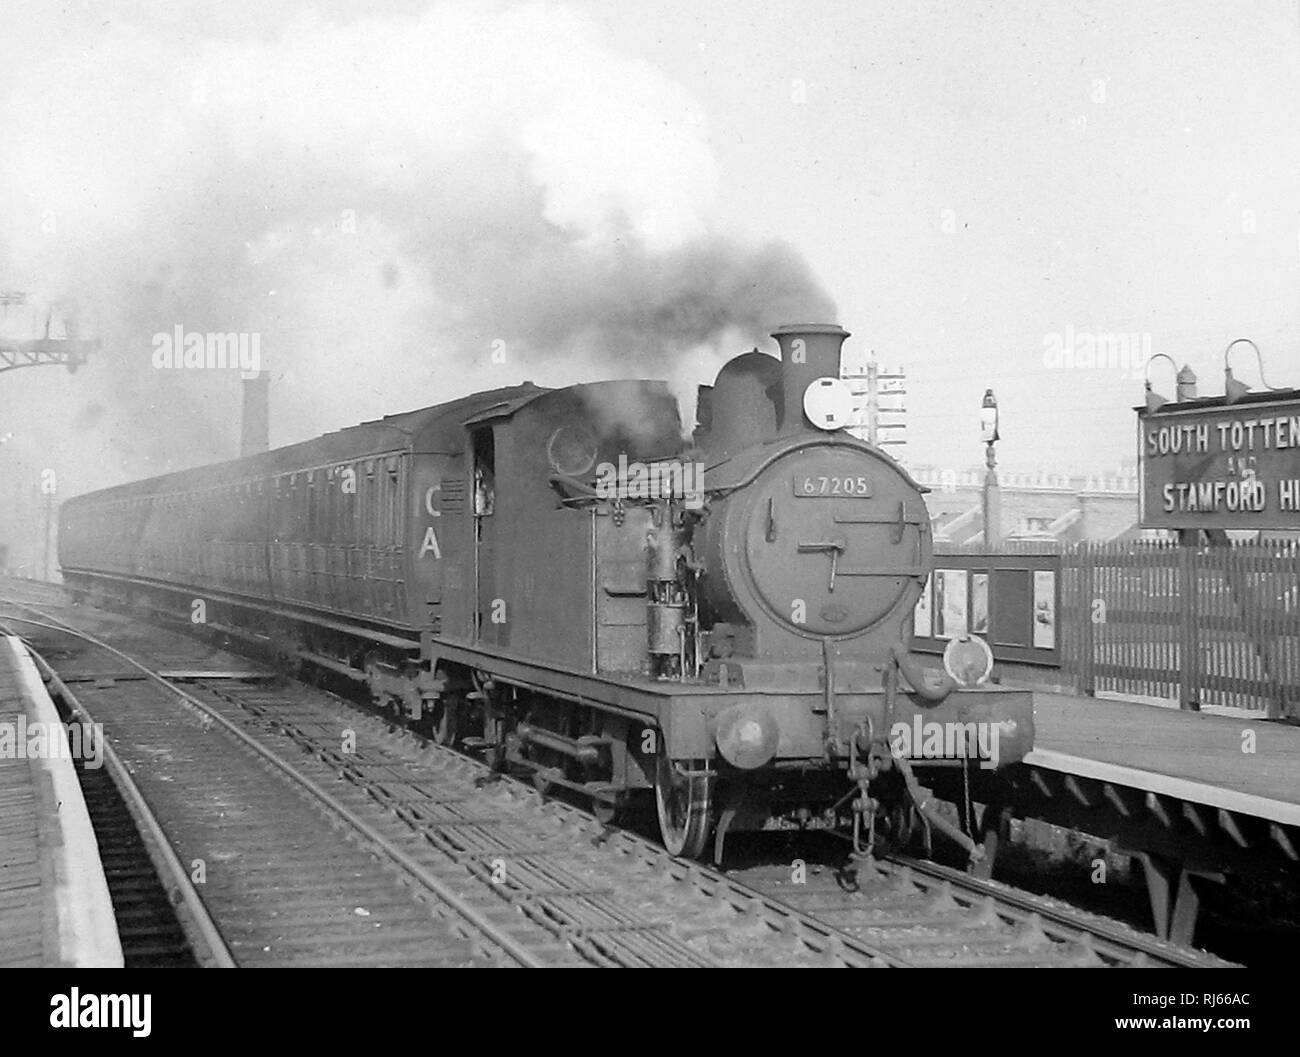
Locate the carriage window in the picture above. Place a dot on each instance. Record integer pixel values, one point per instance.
(280, 497)
(322, 533)
(383, 503)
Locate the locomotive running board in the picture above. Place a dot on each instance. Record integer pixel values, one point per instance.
(677, 708)
(370, 628)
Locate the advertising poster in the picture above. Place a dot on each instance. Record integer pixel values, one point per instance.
(949, 603)
(979, 603)
(1045, 609)
(921, 614)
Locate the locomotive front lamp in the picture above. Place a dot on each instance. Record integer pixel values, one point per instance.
(968, 660)
(747, 735)
(828, 403)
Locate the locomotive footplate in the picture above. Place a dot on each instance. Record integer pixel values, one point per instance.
(990, 727)
(867, 755)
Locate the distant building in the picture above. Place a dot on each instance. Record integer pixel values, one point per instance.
(1047, 507)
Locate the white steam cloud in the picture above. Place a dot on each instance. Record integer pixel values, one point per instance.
(405, 208)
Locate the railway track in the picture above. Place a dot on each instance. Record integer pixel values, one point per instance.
(148, 927)
(935, 916)
(535, 879)
(558, 881)
(308, 889)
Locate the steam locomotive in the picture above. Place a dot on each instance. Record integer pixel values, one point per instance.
(715, 627)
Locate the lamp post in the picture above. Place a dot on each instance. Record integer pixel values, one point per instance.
(992, 493)
(49, 489)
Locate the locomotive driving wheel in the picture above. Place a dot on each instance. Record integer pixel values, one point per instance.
(684, 797)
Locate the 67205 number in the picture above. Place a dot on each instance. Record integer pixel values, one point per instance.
(831, 486)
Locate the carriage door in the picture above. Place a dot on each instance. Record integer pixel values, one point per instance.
(483, 498)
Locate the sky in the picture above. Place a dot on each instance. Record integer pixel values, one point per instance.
(389, 194)
(970, 180)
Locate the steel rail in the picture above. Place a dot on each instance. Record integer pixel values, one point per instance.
(779, 914)
(205, 938)
(819, 937)
(1133, 944)
(413, 869)
(1115, 944)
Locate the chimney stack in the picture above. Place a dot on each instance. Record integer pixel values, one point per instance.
(255, 422)
(808, 351)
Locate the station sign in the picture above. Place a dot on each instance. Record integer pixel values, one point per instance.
(1214, 465)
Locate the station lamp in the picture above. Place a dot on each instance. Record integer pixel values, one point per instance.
(989, 418)
(1154, 400)
(992, 494)
(1234, 390)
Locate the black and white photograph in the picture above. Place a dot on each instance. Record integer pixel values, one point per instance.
(575, 484)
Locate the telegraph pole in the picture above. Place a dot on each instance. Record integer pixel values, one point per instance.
(880, 392)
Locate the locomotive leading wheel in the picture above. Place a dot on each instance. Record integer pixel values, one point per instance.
(685, 808)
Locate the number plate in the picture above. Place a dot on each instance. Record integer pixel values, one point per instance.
(832, 487)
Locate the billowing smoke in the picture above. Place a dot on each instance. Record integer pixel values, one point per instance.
(403, 208)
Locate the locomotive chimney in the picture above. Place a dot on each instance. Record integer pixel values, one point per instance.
(255, 421)
(808, 351)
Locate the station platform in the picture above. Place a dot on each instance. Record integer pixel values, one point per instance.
(55, 908)
(1238, 763)
(1191, 796)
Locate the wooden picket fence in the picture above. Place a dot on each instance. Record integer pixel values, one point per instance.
(1215, 625)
